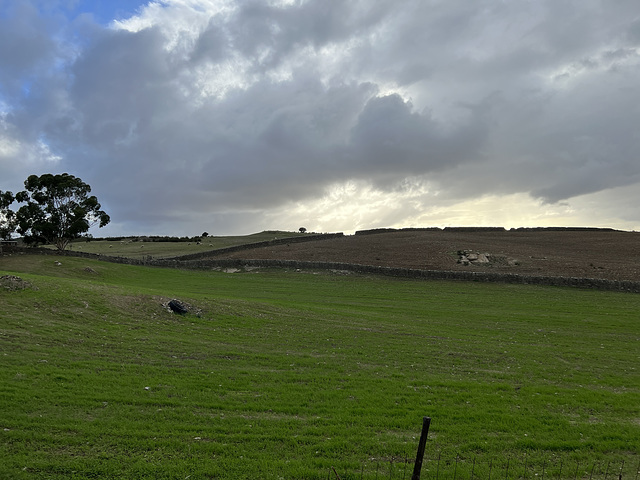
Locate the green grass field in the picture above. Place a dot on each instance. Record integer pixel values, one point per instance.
(285, 374)
(140, 249)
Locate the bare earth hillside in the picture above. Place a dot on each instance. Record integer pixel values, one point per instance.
(607, 254)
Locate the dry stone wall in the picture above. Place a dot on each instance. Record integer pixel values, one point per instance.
(591, 283)
(240, 264)
(375, 231)
(267, 243)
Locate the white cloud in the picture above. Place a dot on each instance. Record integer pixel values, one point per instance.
(335, 114)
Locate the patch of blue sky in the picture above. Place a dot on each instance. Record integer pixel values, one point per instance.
(106, 11)
(26, 88)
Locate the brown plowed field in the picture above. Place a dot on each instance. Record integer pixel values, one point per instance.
(613, 255)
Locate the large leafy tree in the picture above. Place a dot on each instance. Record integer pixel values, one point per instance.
(7, 225)
(57, 209)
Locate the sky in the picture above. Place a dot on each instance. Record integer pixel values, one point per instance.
(237, 116)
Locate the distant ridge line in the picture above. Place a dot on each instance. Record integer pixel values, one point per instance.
(374, 231)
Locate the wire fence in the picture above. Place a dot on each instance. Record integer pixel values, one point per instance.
(434, 465)
(438, 466)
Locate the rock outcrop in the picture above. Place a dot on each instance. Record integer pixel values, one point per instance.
(468, 257)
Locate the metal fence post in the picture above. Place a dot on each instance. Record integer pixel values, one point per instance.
(426, 421)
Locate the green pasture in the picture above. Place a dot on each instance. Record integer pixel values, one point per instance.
(135, 248)
(285, 374)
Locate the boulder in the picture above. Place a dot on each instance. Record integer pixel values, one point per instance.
(178, 307)
(13, 283)
(482, 258)
(467, 257)
(463, 260)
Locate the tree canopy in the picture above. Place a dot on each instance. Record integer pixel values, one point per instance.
(6, 215)
(57, 209)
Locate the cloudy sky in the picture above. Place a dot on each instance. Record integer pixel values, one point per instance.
(236, 116)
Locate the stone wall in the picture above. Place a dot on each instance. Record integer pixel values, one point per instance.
(208, 264)
(591, 283)
(374, 231)
(267, 243)
(487, 229)
(474, 229)
(564, 229)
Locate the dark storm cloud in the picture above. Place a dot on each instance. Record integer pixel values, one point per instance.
(190, 110)
(25, 46)
(391, 138)
(268, 34)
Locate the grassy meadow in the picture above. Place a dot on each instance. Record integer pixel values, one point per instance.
(285, 374)
(131, 248)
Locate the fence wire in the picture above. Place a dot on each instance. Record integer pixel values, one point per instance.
(526, 467)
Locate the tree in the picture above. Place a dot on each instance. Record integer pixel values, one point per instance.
(302, 230)
(7, 225)
(58, 209)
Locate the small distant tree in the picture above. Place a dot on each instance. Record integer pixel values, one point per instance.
(58, 209)
(205, 234)
(302, 230)
(7, 225)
